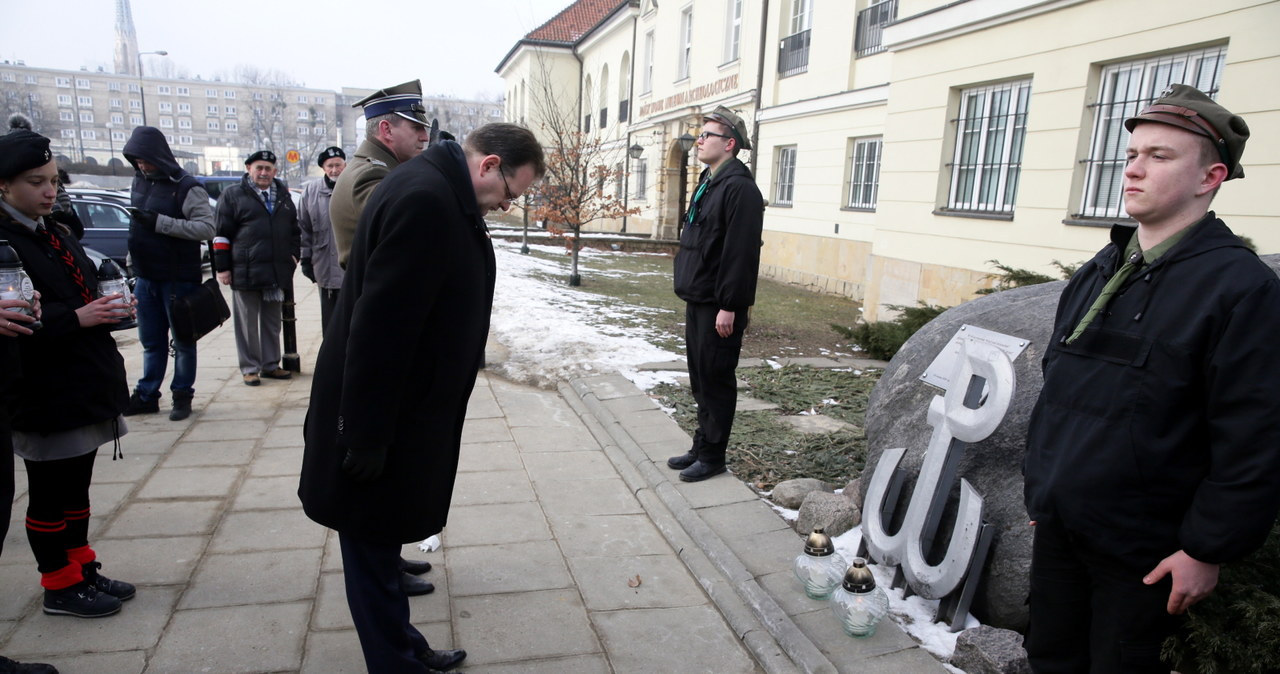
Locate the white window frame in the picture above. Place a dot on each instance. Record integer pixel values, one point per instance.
(784, 175)
(212, 109)
(862, 189)
(113, 86)
(646, 75)
(66, 116)
(685, 41)
(801, 16)
(211, 93)
(82, 83)
(64, 99)
(33, 79)
(164, 106)
(115, 103)
(117, 118)
(641, 178)
(117, 135)
(212, 125)
(62, 82)
(86, 116)
(184, 124)
(163, 89)
(86, 101)
(733, 31)
(230, 109)
(166, 123)
(185, 140)
(986, 166)
(228, 93)
(184, 91)
(88, 134)
(1123, 90)
(68, 133)
(135, 104)
(135, 120)
(231, 125)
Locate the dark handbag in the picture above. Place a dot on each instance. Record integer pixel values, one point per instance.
(198, 312)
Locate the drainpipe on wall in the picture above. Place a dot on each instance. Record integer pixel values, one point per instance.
(755, 119)
(631, 115)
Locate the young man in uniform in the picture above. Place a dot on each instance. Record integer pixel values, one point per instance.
(715, 274)
(1153, 454)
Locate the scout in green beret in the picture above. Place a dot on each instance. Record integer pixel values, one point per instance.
(1153, 452)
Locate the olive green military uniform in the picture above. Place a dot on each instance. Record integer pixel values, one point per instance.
(372, 162)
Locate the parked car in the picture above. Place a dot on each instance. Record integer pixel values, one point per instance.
(215, 184)
(106, 221)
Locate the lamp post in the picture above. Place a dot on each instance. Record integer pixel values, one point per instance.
(142, 93)
(111, 140)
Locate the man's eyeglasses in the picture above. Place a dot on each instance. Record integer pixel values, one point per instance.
(706, 134)
(510, 197)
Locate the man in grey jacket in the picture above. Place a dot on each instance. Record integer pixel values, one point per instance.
(171, 216)
(319, 254)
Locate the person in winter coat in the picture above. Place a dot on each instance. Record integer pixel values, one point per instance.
(72, 386)
(13, 325)
(319, 254)
(715, 274)
(1153, 452)
(255, 252)
(171, 216)
(397, 367)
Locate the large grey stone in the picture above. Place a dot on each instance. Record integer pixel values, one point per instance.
(833, 512)
(896, 417)
(990, 650)
(790, 493)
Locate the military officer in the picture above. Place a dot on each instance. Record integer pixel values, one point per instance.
(395, 130)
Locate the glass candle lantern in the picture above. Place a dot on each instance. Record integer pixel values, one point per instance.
(820, 567)
(858, 603)
(111, 281)
(14, 282)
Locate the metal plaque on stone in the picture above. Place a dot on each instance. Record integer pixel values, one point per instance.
(938, 374)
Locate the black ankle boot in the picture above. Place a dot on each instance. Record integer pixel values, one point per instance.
(139, 406)
(116, 588)
(181, 407)
(81, 600)
(683, 461)
(701, 470)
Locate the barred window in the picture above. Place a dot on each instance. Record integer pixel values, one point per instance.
(784, 182)
(864, 173)
(990, 132)
(641, 178)
(1124, 89)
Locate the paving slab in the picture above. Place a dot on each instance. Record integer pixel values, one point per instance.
(687, 639)
(253, 578)
(509, 567)
(253, 638)
(514, 627)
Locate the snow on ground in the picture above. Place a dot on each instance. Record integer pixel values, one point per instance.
(555, 333)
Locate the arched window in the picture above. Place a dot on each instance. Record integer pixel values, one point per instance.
(604, 97)
(624, 88)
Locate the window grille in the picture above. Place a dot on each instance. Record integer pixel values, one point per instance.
(990, 133)
(793, 54)
(641, 178)
(1124, 89)
(785, 182)
(864, 173)
(871, 23)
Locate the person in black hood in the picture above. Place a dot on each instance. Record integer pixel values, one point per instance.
(715, 274)
(1153, 451)
(171, 216)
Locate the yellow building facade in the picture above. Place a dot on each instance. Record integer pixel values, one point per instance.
(902, 145)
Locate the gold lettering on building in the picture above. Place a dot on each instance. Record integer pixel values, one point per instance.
(690, 96)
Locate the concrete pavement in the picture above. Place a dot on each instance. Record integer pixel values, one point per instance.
(570, 546)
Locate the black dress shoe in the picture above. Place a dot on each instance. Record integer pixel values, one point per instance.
(700, 471)
(683, 461)
(415, 586)
(443, 660)
(414, 567)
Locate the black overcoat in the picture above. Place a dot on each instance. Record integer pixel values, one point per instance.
(401, 353)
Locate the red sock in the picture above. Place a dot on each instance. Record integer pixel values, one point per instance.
(62, 578)
(81, 555)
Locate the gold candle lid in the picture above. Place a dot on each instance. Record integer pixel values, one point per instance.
(858, 578)
(819, 544)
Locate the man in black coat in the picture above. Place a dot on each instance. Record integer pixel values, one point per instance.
(396, 370)
(255, 253)
(1153, 452)
(715, 274)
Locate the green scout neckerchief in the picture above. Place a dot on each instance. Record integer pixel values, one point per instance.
(1133, 253)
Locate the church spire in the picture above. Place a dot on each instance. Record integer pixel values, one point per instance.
(126, 40)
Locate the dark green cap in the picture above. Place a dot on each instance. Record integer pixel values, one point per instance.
(1190, 109)
(727, 117)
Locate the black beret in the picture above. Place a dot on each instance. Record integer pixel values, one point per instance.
(1189, 109)
(329, 153)
(22, 150)
(261, 155)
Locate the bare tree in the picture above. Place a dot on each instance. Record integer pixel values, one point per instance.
(580, 164)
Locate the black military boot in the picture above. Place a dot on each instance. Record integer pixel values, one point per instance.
(709, 464)
(181, 406)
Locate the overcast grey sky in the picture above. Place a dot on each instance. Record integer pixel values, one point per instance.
(453, 46)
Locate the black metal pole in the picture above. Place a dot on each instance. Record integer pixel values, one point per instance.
(291, 360)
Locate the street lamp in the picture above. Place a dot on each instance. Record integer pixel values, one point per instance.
(686, 142)
(142, 89)
(635, 151)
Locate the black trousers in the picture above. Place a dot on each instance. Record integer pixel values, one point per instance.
(6, 475)
(1090, 611)
(328, 300)
(58, 508)
(713, 361)
(379, 607)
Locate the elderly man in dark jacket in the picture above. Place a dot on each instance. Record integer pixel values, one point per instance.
(1153, 453)
(256, 252)
(715, 274)
(397, 367)
(171, 217)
